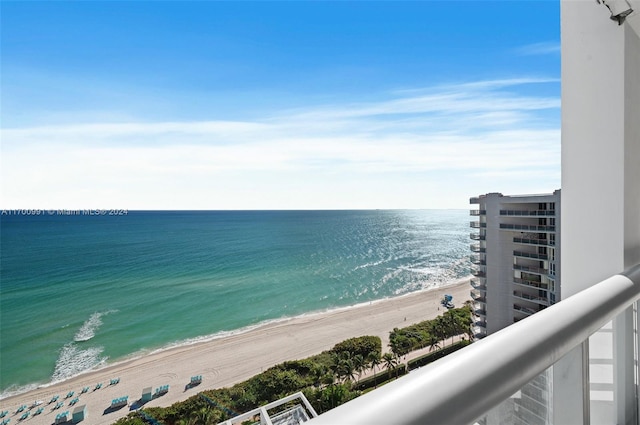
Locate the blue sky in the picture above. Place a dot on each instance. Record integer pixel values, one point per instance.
(277, 105)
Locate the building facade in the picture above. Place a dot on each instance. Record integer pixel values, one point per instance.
(515, 253)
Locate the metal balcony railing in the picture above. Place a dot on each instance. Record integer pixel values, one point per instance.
(477, 296)
(532, 283)
(477, 224)
(477, 248)
(480, 312)
(531, 241)
(477, 284)
(525, 310)
(477, 237)
(529, 269)
(477, 212)
(478, 273)
(533, 298)
(534, 213)
(458, 389)
(530, 255)
(534, 228)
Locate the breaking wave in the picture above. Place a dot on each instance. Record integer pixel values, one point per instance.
(89, 328)
(73, 360)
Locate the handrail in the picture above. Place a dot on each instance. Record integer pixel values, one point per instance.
(537, 228)
(528, 213)
(457, 390)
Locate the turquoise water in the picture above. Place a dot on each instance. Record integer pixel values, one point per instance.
(80, 291)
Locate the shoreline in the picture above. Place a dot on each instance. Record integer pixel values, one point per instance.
(224, 360)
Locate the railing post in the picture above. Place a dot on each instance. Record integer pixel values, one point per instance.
(624, 368)
(637, 356)
(571, 387)
(586, 384)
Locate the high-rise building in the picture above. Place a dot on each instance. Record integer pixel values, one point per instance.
(515, 253)
(516, 259)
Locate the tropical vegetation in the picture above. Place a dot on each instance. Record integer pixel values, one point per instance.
(327, 379)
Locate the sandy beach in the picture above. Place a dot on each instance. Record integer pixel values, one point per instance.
(226, 361)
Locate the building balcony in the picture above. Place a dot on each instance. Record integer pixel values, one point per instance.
(511, 358)
(477, 237)
(478, 212)
(480, 311)
(530, 241)
(527, 311)
(477, 248)
(531, 283)
(474, 200)
(532, 213)
(478, 284)
(527, 227)
(530, 255)
(533, 298)
(477, 224)
(478, 296)
(528, 269)
(478, 273)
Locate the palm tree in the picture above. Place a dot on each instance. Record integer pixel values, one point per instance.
(347, 368)
(439, 328)
(470, 333)
(335, 365)
(453, 327)
(318, 372)
(359, 365)
(374, 360)
(328, 379)
(390, 361)
(434, 342)
(202, 416)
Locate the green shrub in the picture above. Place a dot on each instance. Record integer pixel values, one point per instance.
(432, 357)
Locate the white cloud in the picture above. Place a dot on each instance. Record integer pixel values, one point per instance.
(396, 153)
(544, 48)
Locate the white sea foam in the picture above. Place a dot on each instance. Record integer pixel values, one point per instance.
(73, 361)
(89, 328)
(372, 264)
(15, 390)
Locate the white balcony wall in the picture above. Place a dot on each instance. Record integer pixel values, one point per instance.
(601, 189)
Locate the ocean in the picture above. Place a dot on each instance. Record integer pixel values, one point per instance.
(81, 291)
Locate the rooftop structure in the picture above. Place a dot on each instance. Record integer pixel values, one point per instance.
(295, 414)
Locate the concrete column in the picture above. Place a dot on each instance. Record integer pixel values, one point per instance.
(600, 174)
